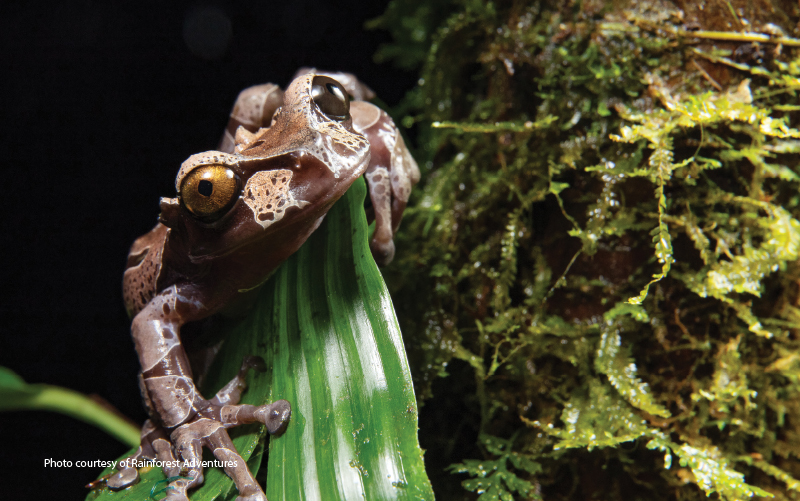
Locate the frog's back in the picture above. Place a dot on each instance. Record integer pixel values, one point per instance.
(143, 269)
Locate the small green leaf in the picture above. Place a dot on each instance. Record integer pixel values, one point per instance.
(637, 312)
(493, 480)
(556, 188)
(791, 483)
(11, 385)
(17, 395)
(710, 468)
(597, 419)
(621, 372)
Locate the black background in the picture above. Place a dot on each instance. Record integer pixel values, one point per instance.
(101, 102)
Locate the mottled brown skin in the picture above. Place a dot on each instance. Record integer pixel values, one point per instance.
(293, 156)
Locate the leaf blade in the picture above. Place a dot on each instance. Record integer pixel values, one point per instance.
(348, 353)
(325, 325)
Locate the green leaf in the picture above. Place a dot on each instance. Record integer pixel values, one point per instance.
(622, 373)
(791, 483)
(496, 126)
(152, 483)
(710, 469)
(326, 327)
(597, 419)
(636, 311)
(745, 272)
(11, 385)
(729, 386)
(493, 480)
(17, 395)
(338, 357)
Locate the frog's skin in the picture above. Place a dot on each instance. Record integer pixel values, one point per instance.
(286, 157)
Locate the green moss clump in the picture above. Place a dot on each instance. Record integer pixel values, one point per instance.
(604, 287)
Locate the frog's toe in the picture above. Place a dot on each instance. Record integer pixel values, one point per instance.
(382, 251)
(275, 416)
(122, 479)
(253, 362)
(257, 496)
(175, 495)
(176, 491)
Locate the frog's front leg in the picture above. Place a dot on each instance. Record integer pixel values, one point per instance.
(391, 174)
(169, 390)
(155, 441)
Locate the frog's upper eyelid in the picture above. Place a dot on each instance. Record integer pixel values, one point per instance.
(254, 144)
(197, 160)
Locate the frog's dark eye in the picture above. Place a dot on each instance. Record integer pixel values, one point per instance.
(209, 191)
(331, 98)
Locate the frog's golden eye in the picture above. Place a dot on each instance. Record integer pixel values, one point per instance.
(209, 191)
(330, 97)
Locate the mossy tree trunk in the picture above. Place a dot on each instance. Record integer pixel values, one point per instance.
(598, 281)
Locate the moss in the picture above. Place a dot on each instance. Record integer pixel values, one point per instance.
(603, 253)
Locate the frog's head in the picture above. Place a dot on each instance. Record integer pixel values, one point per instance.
(279, 178)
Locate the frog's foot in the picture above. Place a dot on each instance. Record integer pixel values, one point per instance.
(209, 429)
(224, 406)
(274, 416)
(252, 110)
(124, 477)
(154, 444)
(189, 439)
(176, 490)
(232, 392)
(235, 467)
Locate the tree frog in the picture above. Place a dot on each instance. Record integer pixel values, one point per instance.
(240, 211)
